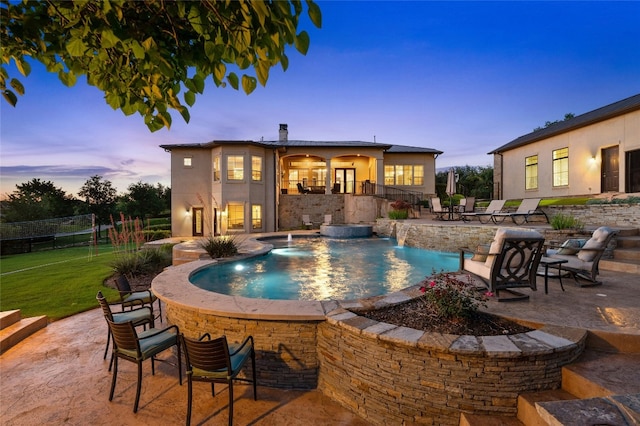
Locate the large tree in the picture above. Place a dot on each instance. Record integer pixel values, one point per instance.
(143, 54)
(101, 197)
(144, 199)
(35, 200)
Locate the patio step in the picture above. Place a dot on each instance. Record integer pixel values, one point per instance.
(468, 419)
(617, 265)
(14, 328)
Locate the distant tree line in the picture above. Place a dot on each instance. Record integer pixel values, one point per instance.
(473, 181)
(37, 199)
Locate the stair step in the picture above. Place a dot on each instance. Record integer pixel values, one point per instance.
(598, 374)
(468, 419)
(632, 254)
(527, 410)
(8, 318)
(614, 265)
(613, 342)
(20, 330)
(627, 242)
(624, 232)
(618, 410)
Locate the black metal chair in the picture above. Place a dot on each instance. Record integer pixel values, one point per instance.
(134, 347)
(141, 316)
(216, 361)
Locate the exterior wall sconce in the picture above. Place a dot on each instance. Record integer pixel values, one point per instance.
(187, 212)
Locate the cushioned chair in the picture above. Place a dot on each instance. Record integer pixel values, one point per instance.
(436, 208)
(467, 205)
(140, 316)
(527, 208)
(583, 259)
(327, 219)
(510, 262)
(495, 206)
(130, 298)
(306, 221)
(303, 190)
(137, 347)
(215, 361)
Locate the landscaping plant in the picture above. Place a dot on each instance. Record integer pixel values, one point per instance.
(450, 297)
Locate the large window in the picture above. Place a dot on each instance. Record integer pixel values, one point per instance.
(235, 216)
(235, 167)
(531, 172)
(256, 168)
(561, 167)
(256, 216)
(404, 175)
(216, 168)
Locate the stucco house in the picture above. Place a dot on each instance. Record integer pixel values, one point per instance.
(593, 153)
(226, 186)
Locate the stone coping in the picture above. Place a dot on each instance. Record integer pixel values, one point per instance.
(173, 287)
(545, 340)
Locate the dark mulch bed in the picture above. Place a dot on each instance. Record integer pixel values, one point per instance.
(416, 314)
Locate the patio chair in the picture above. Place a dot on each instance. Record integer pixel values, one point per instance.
(511, 262)
(436, 209)
(140, 316)
(306, 221)
(129, 298)
(467, 205)
(215, 361)
(495, 206)
(582, 262)
(527, 208)
(303, 190)
(134, 347)
(327, 219)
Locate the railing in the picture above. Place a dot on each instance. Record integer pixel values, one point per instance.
(358, 188)
(392, 193)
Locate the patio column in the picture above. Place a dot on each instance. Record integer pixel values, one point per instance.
(327, 184)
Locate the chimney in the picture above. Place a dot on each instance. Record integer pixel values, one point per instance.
(284, 133)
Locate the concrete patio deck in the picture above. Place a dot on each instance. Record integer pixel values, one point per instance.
(58, 376)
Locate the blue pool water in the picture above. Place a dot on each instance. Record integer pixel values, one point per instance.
(319, 268)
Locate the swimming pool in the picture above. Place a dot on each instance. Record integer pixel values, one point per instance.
(317, 268)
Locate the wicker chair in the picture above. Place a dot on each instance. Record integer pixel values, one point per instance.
(129, 298)
(141, 316)
(215, 361)
(134, 347)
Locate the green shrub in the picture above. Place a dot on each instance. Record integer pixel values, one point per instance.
(451, 298)
(562, 221)
(154, 235)
(217, 247)
(146, 261)
(398, 214)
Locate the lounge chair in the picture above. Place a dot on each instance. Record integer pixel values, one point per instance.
(436, 209)
(495, 206)
(510, 262)
(327, 219)
(582, 262)
(306, 221)
(528, 207)
(467, 205)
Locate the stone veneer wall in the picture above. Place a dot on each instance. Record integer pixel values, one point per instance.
(286, 355)
(292, 207)
(396, 375)
(594, 215)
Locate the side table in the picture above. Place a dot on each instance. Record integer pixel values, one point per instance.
(551, 261)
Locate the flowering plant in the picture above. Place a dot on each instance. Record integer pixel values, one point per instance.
(450, 297)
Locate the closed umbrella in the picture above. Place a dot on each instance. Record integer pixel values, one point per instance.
(451, 189)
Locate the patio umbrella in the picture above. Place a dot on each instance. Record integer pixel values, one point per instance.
(451, 183)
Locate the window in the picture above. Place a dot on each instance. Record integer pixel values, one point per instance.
(235, 167)
(256, 216)
(256, 168)
(418, 175)
(531, 172)
(402, 174)
(561, 167)
(187, 161)
(235, 216)
(216, 169)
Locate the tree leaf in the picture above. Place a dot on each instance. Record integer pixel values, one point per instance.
(10, 97)
(302, 42)
(137, 49)
(249, 84)
(76, 47)
(108, 39)
(198, 83)
(17, 86)
(190, 98)
(68, 78)
(185, 114)
(23, 67)
(232, 78)
(315, 14)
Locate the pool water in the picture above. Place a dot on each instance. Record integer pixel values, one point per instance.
(319, 268)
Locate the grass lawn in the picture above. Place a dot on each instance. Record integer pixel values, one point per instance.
(56, 283)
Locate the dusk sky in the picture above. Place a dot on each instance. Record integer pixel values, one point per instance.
(460, 77)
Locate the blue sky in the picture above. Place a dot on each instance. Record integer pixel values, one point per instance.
(460, 77)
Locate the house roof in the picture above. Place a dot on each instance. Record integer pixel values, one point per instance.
(606, 112)
(310, 144)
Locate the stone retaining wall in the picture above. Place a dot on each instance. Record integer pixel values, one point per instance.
(286, 355)
(594, 215)
(396, 375)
